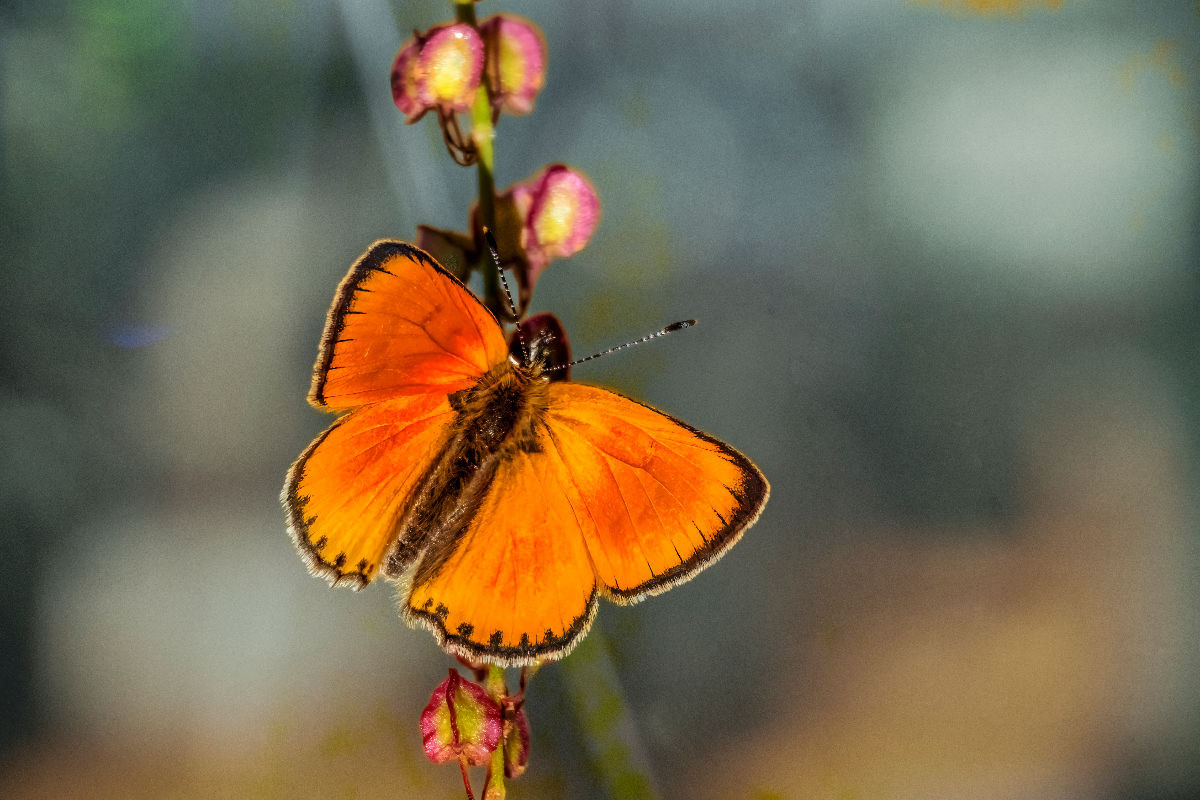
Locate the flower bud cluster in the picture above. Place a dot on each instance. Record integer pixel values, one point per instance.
(443, 67)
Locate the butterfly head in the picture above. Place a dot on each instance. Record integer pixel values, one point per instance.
(539, 345)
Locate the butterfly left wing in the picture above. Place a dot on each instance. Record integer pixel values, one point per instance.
(401, 335)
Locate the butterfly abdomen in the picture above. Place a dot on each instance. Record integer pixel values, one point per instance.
(498, 415)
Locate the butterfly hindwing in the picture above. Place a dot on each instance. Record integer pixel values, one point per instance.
(663, 499)
(401, 324)
(346, 494)
(518, 586)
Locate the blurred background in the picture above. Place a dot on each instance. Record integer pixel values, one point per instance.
(944, 258)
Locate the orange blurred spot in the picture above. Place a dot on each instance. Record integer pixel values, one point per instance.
(993, 6)
(1163, 61)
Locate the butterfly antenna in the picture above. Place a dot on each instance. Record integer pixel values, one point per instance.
(674, 326)
(512, 307)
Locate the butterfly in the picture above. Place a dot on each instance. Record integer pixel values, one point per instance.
(503, 504)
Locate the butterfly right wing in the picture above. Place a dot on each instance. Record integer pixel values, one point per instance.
(346, 495)
(613, 498)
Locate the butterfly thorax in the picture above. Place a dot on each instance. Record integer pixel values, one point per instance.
(503, 409)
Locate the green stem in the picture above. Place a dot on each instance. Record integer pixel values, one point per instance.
(494, 787)
(482, 136)
(615, 749)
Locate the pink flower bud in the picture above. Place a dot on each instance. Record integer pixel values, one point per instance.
(460, 720)
(563, 212)
(516, 61)
(551, 215)
(404, 80)
(449, 67)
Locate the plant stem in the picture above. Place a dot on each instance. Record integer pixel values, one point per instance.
(482, 135)
(494, 789)
(462, 766)
(615, 749)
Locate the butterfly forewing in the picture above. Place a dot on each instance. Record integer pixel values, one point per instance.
(664, 499)
(401, 325)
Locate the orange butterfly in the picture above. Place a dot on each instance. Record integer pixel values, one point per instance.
(503, 504)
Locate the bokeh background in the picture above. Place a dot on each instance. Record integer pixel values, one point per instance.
(944, 257)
